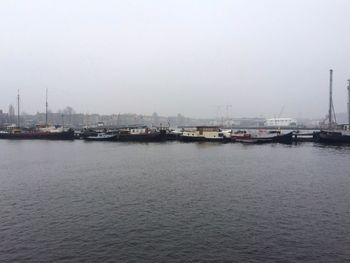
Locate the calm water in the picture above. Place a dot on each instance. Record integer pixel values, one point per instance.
(173, 202)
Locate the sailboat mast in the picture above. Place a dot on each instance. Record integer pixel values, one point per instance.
(18, 116)
(330, 99)
(46, 110)
(349, 101)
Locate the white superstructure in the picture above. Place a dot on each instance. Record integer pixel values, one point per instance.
(203, 133)
(281, 122)
(51, 129)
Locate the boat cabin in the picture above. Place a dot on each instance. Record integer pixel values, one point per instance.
(135, 130)
(205, 131)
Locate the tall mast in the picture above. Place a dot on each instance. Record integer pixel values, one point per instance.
(46, 110)
(330, 99)
(349, 101)
(18, 114)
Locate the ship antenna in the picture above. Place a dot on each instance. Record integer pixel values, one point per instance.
(46, 110)
(18, 114)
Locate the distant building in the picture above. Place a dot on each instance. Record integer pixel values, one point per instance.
(249, 122)
(281, 122)
(3, 117)
(345, 127)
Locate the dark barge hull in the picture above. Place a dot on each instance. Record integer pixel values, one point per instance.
(255, 140)
(285, 138)
(98, 139)
(200, 139)
(149, 137)
(330, 137)
(67, 135)
(172, 137)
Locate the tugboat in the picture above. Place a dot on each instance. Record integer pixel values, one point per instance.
(203, 134)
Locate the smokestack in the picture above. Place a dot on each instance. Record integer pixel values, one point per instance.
(330, 99)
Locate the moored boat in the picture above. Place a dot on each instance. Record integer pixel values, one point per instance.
(262, 136)
(139, 134)
(37, 134)
(335, 134)
(100, 137)
(333, 137)
(203, 133)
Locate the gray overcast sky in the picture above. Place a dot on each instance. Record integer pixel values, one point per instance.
(175, 56)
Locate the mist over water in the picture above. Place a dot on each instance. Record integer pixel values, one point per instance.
(160, 202)
(179, 63)
(169, 57)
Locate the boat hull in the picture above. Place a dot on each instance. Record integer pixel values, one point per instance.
(97, 138)
(255, 140)
(200, 139)
(149, 137)
(332, 137)
(281, 138)
(66, 135)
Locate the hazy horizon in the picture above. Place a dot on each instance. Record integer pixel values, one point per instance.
(170, 57)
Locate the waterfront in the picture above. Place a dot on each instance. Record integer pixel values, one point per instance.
(173, 202)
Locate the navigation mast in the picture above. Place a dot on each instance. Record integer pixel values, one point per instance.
(330, 99)
(349, 101)
(18, 114)
(46, 110)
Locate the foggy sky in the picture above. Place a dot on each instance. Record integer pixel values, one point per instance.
(176, 56)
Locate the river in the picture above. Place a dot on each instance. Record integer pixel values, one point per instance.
(173, 202)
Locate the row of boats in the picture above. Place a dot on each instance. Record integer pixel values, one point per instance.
(216, 134)
(333, 135)
(196, 134)
(201, 133)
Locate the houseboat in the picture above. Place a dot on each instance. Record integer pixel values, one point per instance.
(203, 133)
(139, 134)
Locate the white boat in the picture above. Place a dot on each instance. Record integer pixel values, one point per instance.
(100, 137)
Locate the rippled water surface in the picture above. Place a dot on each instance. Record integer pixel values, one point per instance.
(173, 202)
